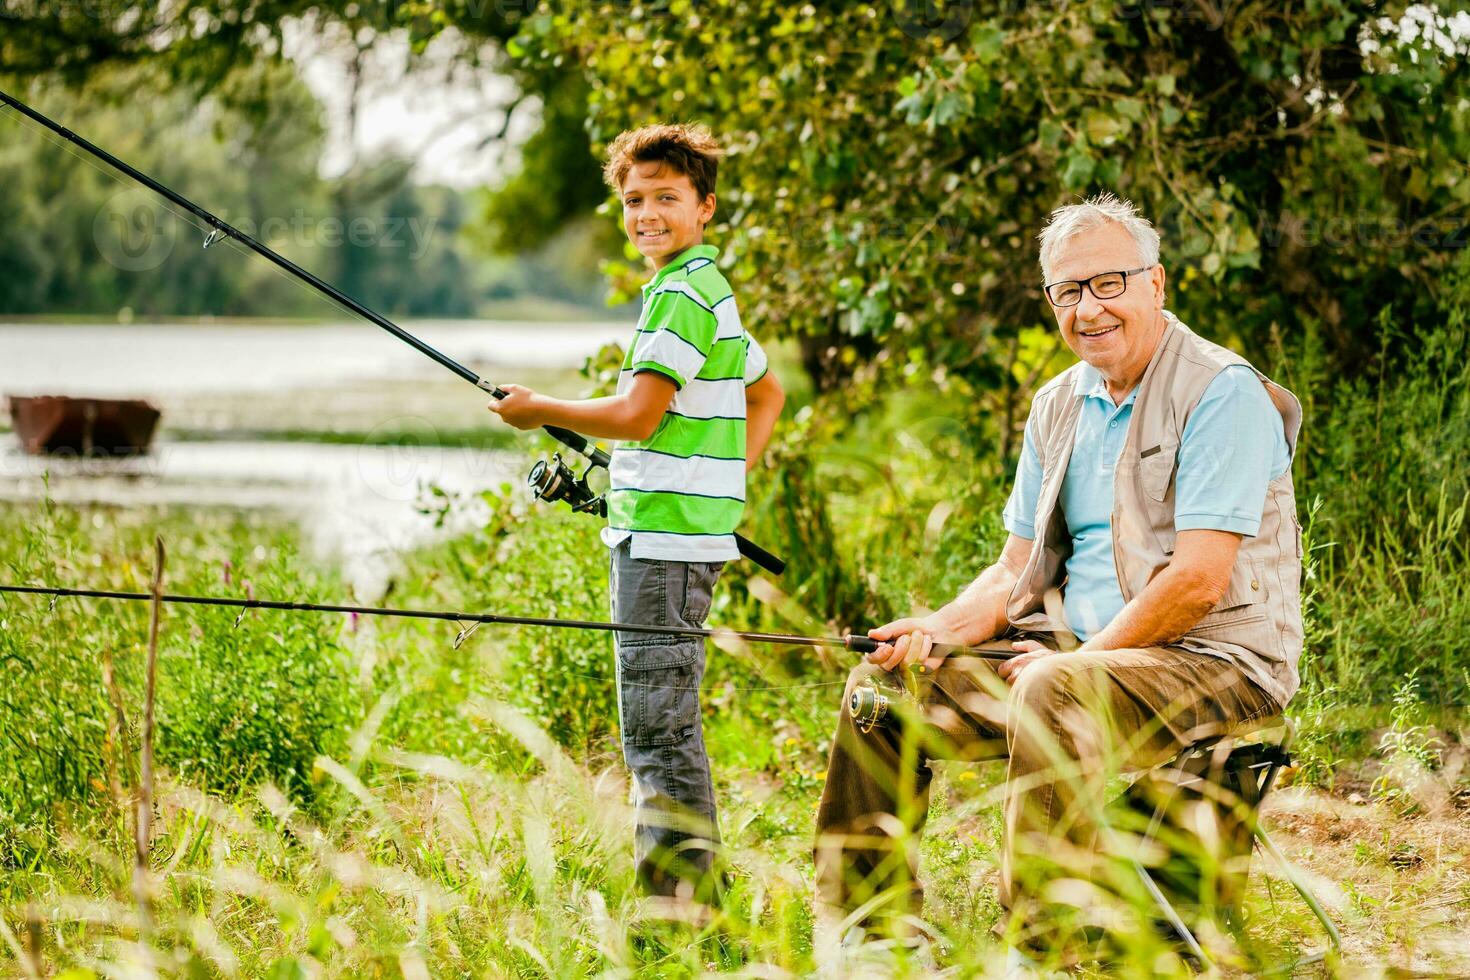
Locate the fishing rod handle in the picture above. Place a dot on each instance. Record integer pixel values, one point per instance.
(759, 555)
(579, 443)
(866, 644)
(574, 441)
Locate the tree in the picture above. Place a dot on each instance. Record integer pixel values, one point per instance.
(890, 166)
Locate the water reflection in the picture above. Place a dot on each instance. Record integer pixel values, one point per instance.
(357, 505)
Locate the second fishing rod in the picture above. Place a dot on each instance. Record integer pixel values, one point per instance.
(874, 703)
(552, 482)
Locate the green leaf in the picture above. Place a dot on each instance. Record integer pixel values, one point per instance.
(1131, 109)
(1102, 128)
(1049, 134)
(1077, 170)
(987, 41)
(951, 106)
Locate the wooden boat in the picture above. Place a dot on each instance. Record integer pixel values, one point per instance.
(61, 425)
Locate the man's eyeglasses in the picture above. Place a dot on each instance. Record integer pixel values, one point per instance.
(1104, 285)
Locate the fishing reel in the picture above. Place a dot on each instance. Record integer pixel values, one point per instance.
(883, 702)
(554, 480)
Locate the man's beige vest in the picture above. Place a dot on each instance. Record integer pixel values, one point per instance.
(1258, 622)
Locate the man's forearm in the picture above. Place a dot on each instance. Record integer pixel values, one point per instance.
(978, 614)
(1164, 611)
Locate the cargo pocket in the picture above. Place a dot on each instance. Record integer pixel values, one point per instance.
(659, 693)
(699, 589)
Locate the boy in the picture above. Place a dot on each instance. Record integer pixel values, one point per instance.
(694, 408)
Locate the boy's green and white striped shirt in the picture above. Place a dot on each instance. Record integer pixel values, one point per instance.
(679, 494)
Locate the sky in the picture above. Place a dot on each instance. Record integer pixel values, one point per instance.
(439, 114)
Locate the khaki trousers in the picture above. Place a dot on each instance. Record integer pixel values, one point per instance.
(1070, 721)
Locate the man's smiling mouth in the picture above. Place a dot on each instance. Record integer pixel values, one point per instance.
(1098, 331)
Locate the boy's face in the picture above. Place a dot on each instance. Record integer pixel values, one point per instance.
(662, 213)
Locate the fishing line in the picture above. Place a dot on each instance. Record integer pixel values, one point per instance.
(179, 214)
(70, 150)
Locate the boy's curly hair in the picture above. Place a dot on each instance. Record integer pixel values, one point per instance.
(688, 148)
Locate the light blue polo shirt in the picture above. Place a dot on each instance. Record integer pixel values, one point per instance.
(1231, 448)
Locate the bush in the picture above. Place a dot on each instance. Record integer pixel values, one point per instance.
(235, 706)
(1388, 462)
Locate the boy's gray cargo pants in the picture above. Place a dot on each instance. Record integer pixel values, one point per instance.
(658, 678)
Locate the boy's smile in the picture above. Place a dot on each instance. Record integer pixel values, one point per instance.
(662, 212)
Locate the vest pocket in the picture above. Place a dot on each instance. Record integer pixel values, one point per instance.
(1156, 470)
(1229, 620)
(1247, 587)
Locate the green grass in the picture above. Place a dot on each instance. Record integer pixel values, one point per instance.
(467, 813)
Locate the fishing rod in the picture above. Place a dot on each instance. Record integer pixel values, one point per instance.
(567, 486)
(853, 642)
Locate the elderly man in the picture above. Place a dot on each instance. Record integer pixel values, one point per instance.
(1153, 519)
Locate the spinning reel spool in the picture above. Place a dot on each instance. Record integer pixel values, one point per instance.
(883, 703)
(554, 481)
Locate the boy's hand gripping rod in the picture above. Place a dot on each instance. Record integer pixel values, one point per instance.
(857, 644)
(222, 229)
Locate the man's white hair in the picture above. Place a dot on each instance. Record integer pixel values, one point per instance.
(1071, 220)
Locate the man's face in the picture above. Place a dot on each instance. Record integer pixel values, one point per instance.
(662, 213)
(1118, 335)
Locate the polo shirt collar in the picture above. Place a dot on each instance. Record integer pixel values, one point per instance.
(1092, 385)
(679, 261)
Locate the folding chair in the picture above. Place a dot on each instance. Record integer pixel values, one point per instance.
(1233, 773)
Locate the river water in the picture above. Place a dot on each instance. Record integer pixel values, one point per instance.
(358, 505)
(150, 359)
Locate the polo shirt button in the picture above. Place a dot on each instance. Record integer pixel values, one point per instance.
(1255, 585)
(1112, 425)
